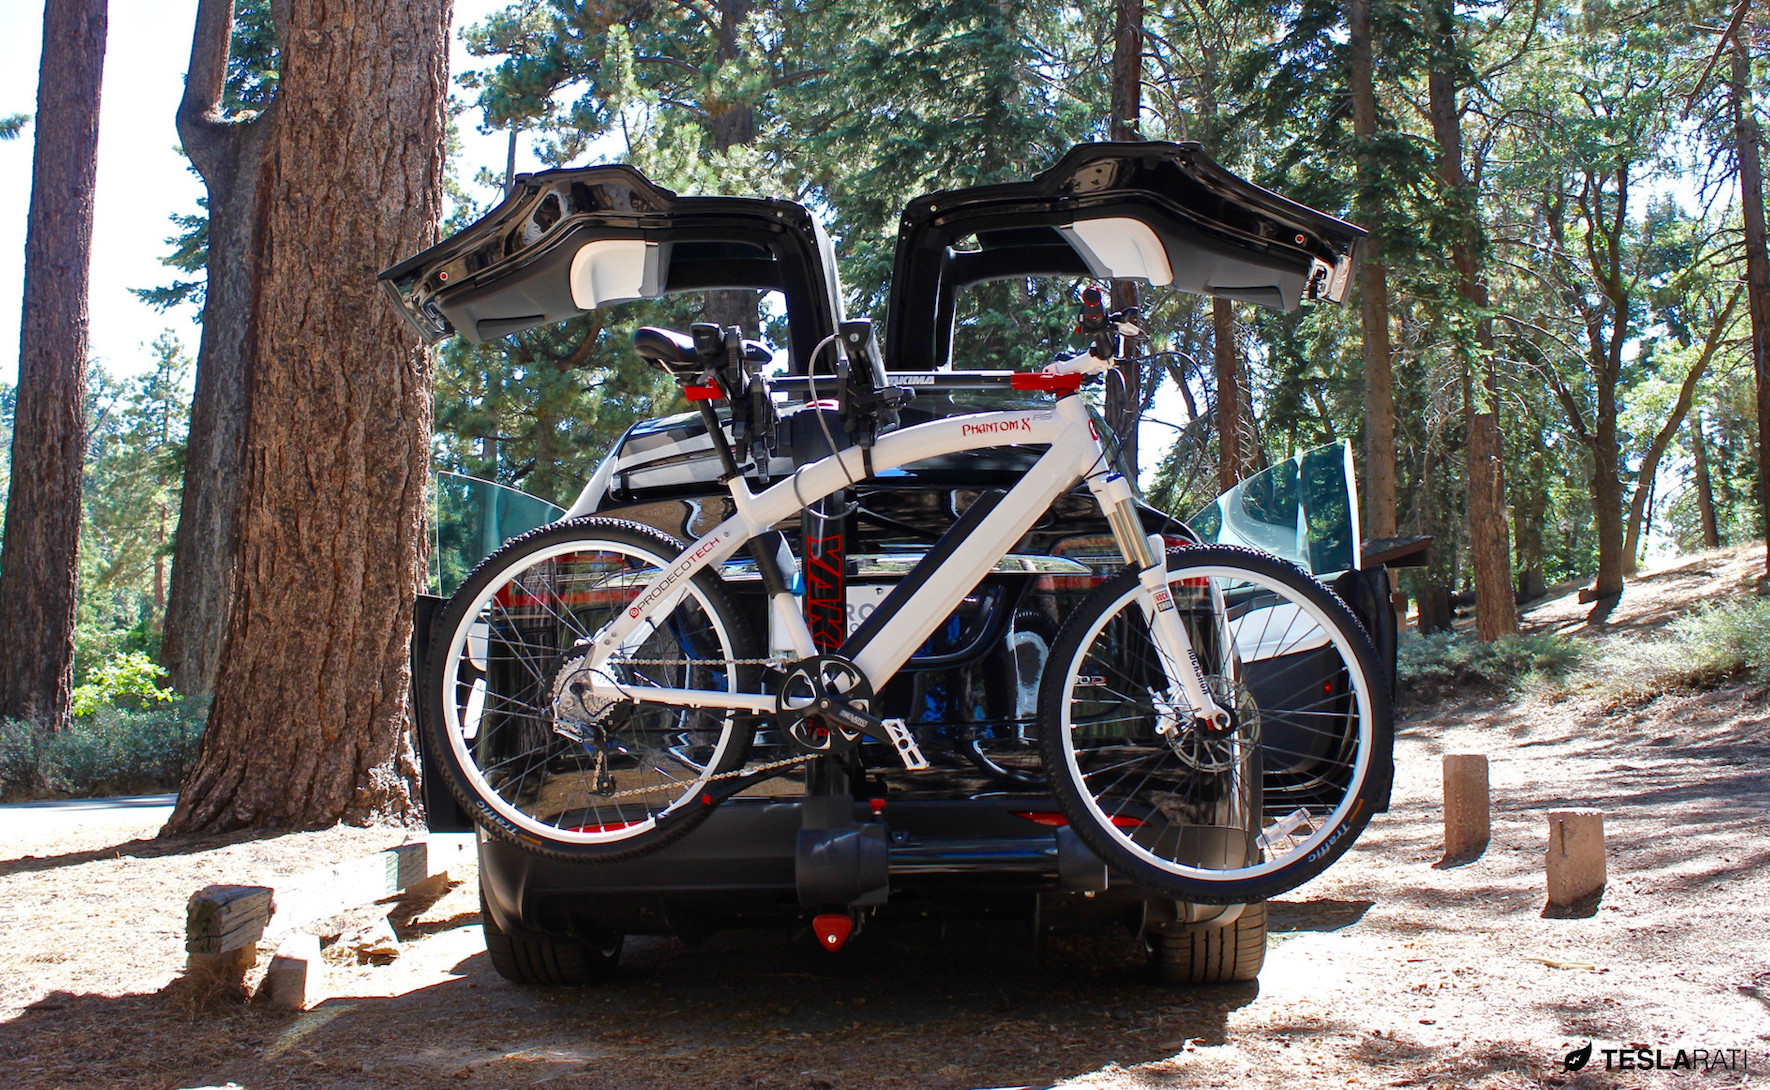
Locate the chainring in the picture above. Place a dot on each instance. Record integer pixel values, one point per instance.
(803, 684)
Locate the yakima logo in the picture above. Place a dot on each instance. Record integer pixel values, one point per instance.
(994, 427)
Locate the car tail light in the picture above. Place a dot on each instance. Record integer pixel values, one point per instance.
(1053, 819)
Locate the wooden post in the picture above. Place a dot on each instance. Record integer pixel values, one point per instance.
(1575, 860)
(294, 980)
(1466, 822)
(224, 924)
(222, 927)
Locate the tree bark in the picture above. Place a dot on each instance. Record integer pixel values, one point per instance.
(1705, 490)
(1373, 288)
(1529, 507)
(1496, 607)
(308, 722)
(228, 154)
(1757, 256)
(1606, 322)
(1124, 400)
(732, 124)
(1229, 457)
(40, 558)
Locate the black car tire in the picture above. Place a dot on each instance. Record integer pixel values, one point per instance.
(1212, 955)
(538, 960)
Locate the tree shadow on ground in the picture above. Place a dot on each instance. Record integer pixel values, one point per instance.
(1316, 914)
(143, 848)
(910, 1004)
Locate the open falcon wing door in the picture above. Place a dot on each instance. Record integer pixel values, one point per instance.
(566, 242)
(1158, 212)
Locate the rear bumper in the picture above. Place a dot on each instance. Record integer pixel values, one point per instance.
(747, 867)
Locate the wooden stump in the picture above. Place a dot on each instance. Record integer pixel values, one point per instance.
(222, 927)
(296, 975)
(215, 979)
(1575, 860)
(1466, 820)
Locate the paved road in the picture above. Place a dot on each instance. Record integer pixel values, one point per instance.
(21, 818)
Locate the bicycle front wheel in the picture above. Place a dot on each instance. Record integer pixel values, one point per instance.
(1217, 816)
(536, 757)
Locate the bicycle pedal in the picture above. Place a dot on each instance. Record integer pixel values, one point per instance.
(905, 744)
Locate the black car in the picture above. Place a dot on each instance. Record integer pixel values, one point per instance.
(976, 834)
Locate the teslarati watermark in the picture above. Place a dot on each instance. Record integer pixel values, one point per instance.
(1732, 1060)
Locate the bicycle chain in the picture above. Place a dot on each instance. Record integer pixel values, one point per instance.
(736, 772)
(733, 774)
(695, 662)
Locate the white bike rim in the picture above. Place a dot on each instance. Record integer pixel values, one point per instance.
(452, 725)
(1331, 826)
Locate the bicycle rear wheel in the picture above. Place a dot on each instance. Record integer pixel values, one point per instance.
(539, 761)
(1225, 817)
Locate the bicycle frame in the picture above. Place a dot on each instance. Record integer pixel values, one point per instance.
(939, 583)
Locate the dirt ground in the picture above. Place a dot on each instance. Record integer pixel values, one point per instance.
(1386, 971)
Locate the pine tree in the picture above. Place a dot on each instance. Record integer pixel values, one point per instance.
(40, 556)
(308, 724)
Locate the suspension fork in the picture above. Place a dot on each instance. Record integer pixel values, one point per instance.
(1148, 554)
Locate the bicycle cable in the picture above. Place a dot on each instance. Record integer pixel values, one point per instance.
(824, 426)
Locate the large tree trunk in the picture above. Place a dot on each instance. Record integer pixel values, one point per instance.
(1490, 550)
(1529, 507)
(1757, 257)
(1496, 607)
(1124, 399)
(308, 723)
(1607, 516)
(229, 155)
(732, 124)
(41, 554)
(1373, 289)
(1705, 489)
(1230, 465)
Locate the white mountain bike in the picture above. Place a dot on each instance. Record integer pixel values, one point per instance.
(1211, 719)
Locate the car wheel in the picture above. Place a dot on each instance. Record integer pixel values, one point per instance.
(1212, 955)
(548, 960)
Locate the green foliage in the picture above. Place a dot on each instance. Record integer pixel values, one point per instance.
(252, 73)
(112, 751)
(129, 680)
(1432, 664)
(1718, 643)
(854, 108)
(190, 254)
(134, 473)
(11, 126)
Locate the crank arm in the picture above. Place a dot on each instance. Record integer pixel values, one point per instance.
(892, 732)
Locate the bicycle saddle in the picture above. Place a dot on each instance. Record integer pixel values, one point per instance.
(672, 351)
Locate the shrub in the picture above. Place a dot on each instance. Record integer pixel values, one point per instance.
(1427, 665)
(128, 679)
(112, 751)
(1716, 643)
